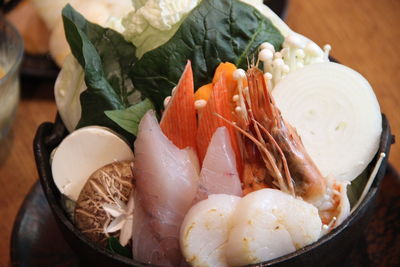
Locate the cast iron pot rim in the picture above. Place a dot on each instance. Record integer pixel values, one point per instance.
(57, 209)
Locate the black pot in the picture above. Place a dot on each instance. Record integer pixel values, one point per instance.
(330, 250)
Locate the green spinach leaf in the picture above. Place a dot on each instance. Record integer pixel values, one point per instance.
(128, 119)
(214, 32)
(355, 189)
(113, 245)
(106, 59)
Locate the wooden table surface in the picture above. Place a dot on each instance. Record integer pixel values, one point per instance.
(364, 35)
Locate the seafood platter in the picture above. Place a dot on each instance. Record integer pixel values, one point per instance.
(208, 133)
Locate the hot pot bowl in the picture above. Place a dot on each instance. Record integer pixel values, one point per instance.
(330, 250)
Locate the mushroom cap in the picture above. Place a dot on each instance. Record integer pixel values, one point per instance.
(109, 184)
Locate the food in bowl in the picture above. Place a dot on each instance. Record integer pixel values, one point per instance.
(229, 176)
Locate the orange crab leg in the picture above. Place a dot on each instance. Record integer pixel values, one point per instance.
(179, 122)
(218, 103)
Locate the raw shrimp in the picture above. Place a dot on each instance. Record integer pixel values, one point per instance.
(205, 231)
(219, 174)
(166, 183)
(269, 223)
(285, 163)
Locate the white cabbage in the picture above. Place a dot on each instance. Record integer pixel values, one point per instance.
(267, 12)
(152, 23)
(69, 85)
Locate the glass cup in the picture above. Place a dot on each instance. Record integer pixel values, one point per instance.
(11, 52)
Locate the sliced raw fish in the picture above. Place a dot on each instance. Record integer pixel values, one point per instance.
(166, 184)
(219, 173)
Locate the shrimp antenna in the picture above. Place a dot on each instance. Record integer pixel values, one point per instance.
(280, 182)
(252, 60)
(258, 61)
(281, 154)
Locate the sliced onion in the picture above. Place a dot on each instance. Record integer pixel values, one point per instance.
(336, 114)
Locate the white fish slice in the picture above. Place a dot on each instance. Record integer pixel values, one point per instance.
(166, 183)
(219, 174)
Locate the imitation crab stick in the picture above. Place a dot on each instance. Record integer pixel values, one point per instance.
(218, 104)
(178, 122)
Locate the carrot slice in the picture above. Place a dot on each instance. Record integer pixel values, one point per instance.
(203, 92)
(218, 103)
(226, 69)
(178, 122)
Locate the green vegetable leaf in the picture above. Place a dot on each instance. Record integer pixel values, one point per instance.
(106, 59)
(355, 189)
(214, 32)
(128, 119)
(113, 245)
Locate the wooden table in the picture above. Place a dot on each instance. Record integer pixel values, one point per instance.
(364, 35)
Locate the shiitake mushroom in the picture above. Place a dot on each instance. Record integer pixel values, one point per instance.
(112, 184)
